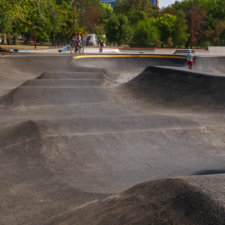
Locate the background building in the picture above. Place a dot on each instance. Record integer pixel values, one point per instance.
(155, 2)
(113, 2)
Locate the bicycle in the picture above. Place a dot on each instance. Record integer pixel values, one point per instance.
(76, 47)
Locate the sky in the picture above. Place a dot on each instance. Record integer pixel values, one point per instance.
(164, 3)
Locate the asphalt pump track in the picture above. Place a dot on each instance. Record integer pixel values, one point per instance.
(112, 140)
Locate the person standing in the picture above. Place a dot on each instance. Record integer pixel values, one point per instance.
(101, 44)
(190, 59)
(84, 39)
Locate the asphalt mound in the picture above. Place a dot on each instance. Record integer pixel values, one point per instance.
(168, 201)
(18, 133)
(58, 89)
(168, 87)
(110, 154)
(63, 82)
(24, 96)
(72, 133)
(28, 184)
(210, 64)
(72, 75)
(127, 66)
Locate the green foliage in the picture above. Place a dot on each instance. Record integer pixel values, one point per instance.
(207, 14)
(106, 12)
(136, 15)
(62, 21)
(126, 6)
(90, 17)
(50, 19)
(135, 10)
(222, 37)
(146, 33)
(118, 29)
(53, 19)
(180, 34)
(100, 33)
(36, 19)
(11, 15)
(166, 24)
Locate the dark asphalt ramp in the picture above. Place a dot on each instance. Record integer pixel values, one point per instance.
(210, 64)
(173, 88)
(136, 63)
(64, 82)
(167, 201)
(24, 96)
(70, 136)
(128, 65)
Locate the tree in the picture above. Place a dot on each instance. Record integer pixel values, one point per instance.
(36, 19)
(88, 14)
(197, 18)
(49, 19)
(62, 21)
(166, 25)
(118, 29)
(146, 33)
(222, 37)
(90, 18)
(3, 12)
(53, 19)
(12, 13)
(100, 33)
(207, 14)
(214, 35)
(180, 34)
(106, 12)
(135, 10)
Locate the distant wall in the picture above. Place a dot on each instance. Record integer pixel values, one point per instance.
(216, 50)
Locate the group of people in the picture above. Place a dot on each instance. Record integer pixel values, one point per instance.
(78, 45)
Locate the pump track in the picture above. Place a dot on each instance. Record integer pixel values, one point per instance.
(112, 140)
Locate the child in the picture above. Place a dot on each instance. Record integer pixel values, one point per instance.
(101, 45)
(190, 59)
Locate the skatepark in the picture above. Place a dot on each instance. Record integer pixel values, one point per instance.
(112, 139)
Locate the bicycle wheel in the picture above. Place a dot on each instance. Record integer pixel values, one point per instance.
(71, 49)
(82, 50)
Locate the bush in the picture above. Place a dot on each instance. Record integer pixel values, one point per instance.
(146, 33)
(118, 29)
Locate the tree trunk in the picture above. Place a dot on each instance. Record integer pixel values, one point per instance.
(26, 38)
(14, 39)
(5, 39)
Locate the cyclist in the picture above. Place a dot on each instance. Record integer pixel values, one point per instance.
(76, 44)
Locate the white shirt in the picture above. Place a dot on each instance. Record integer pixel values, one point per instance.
(189, 57)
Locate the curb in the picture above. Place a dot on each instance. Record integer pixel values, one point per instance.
(130, 56)
(24, 50)
(66, 48)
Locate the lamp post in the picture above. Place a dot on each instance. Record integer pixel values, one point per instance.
(74, 16)
(35, 34)
(192, 25)
(35, 40)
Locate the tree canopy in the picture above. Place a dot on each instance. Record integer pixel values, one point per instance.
(134, 22)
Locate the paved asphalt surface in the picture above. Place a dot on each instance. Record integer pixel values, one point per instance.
(74, 132)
